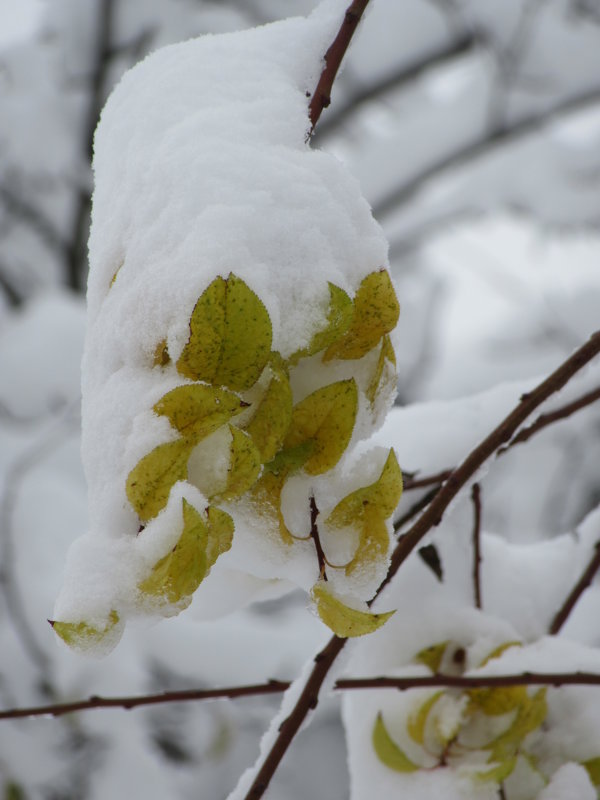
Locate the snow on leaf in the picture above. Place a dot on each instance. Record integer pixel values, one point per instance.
(388, 751)
(244, 465)
(220, 534)
(498, 651)
(592, 767)
(266, 495)
(273, 414)
(326, 418)
(196, 410)
(149, 482)
(230, 336)
(376, 311)
(82, 636)
(161, 354)
(416, 723)
(432, 656)
(498, 700)
(498, 773)
(380, 378)
(178, 574)
(344, 621)
(339, 318)
(530, 715)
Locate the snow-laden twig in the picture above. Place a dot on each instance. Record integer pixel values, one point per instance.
(476, 500)
(582, 584)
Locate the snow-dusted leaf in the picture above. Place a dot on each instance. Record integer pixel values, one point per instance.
(376, 311)
(196, 410)
(244, 465)
(416, 723)
(432, 656)
(271, 420)
(161, 354)
(382, 375)
(220, 534)
(326, 419)
(344, 621)
(498, 651)
(83, 636)
(230, 336)
(266, 495)
(498, 700)
(339, 317)
(530, 715)
(497, 773)
(592, 767)
(388, 751)
(149, 482)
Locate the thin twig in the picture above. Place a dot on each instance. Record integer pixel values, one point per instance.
(412, 512)
(418, 483)
(472, 681)
(314, 534)
(321, 97)
(476, 500)
(582, 584)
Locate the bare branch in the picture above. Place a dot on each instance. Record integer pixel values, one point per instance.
(476, 500)
(471, 681)
(582, 584)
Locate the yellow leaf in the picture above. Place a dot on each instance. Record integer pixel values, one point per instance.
(432, 656)
(376, 313)
(498, 700)
(592, 766)
(149, 482)
(80, 635)
(326, 418)
(161, 354)
(196, 410)
(529, 717)
(383, 495)
(498, 773)
(271, 420)
(386, 356)
(178, 574)
(266, 495)
(388, 751)
(220, 534)
(374, 540)
(244, 465)
(498, 651)
(344, 621)
(339, 318)
(417, 722)
(230, 336)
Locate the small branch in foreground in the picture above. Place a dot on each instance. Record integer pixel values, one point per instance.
(314, 535)
(321, 97)
(412, 512)
(418, 483)
(476, 500)
(582, 584)
(277, 687)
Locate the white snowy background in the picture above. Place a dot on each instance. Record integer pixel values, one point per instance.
(474, 130)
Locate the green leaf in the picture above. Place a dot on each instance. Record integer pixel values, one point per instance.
(498, 700)
(344, 621)
(196, 410)
(498, 773)
(81, 635)
(386, 356)
(592, 766)
(244, 465)
(530, 715)
(271, 420)
(178, 574)
(498, 651)
(230, 336)
(326, 419)
(376, 311)
(266, 496)
(388, 751)
(339, 317)
(432, 656)
(149, 482)
(417, 722)
(220, 534)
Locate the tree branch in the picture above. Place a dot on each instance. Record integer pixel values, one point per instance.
(582, 584)
(471, 681)
(321, 97)
(476, 500)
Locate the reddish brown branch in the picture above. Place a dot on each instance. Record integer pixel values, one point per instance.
(415, 508)
(321, 97)
(471, 681)
(554, 416)
(476, 500)
(427, 480)
(314, 535)
(582, 584)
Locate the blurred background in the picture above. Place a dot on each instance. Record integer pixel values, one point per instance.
(473, 127)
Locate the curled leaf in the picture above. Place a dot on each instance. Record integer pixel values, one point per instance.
(161, 354)
(82, 636)
(417, 722)
(388, 751)
(344, 621)
(376, 311)
(384, 370)
(498, 773)
(271, 420)
(196, 410)
(432, 656)
(244, 465)
(149, 482)
(339, 317)
(220, 534)
(230, 336)
(326, 419)
(266, 495)
(530, 715)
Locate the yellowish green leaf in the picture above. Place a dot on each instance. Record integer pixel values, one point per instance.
(326, 417)
(386, 356)
(592, 766)
(416, 723)
(230, 336)
(498, 651)
(530, 715)
(376, 311)
(81, 635)
(244, 465)
(271, 420)
(432, 656)
(196, 410)
(178, 574)
(339, 317)
(266, 495)
(344, 621)
(382, 495)
(220, 534)
(388, 751)
(161, 354)
(498, 773)
(149, 482)
(374, 540)
(498, 700)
